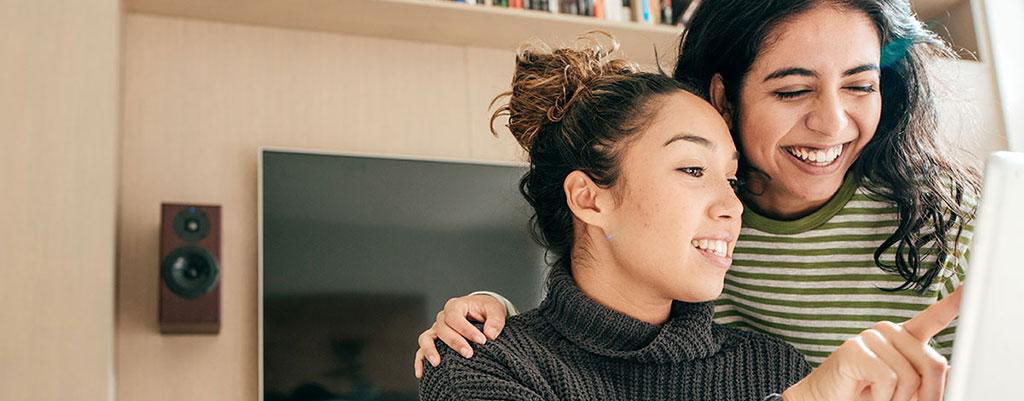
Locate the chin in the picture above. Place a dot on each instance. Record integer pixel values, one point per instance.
(709, 292)
(822, 190)
(715, 292)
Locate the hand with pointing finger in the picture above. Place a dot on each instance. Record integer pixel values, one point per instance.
(889, 362)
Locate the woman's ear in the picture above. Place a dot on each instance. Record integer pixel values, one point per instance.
(587, 201)
(718, 99)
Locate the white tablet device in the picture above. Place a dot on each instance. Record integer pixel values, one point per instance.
(988, 355)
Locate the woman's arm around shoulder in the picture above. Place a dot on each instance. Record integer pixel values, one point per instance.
(483, 377)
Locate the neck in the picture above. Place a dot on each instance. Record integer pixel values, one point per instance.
(607, 282)
(780, 204)
(782, 208)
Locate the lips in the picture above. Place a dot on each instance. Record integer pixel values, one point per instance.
(816, 156)
(715, 246)
(717, 251)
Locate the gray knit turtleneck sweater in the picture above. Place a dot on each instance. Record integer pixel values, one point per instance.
(572, 348)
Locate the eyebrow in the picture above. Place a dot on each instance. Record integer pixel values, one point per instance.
(803, 72)
(697, 139)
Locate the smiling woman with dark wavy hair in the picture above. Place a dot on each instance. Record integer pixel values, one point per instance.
(848, 185)
(903, 161)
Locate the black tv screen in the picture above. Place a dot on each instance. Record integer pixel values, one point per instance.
(359, 253)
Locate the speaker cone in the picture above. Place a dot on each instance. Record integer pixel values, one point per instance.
(190, 271)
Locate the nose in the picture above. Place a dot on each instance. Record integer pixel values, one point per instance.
(828, 117)
(726, 205)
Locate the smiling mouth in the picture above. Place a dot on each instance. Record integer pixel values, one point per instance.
(818, 157)
(715, 247)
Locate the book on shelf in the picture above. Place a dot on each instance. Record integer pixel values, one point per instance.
(648, 12)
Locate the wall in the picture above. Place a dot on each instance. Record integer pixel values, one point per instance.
(953, 21)
(59, 118)
(1003, 28)
(968, 109)
(200, 98)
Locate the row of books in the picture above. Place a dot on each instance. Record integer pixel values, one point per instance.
(667, 12)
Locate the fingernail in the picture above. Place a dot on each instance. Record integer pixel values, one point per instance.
(481, 340)
(467, 352)
(434, 360)
(490, 332)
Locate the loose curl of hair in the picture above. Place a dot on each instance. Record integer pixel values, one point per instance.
(904, 162)
(573, 109)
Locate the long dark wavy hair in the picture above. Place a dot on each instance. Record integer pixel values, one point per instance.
(574, 109)
(905, 162)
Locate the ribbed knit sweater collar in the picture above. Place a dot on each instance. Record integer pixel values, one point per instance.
(687, 335)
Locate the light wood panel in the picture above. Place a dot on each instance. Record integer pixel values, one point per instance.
(490, 71)
(58, 194)
(928, 9)
(956, 26)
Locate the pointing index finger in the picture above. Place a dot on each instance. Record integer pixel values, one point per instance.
(936, 317)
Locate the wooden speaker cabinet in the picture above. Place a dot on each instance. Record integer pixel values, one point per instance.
(190, 269)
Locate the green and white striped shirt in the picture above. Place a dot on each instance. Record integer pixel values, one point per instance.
(813, 282)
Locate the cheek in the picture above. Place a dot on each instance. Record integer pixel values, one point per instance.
(867, 117)
(659, 224)
(761, 129)
(673, 223)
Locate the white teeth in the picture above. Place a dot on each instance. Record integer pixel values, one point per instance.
(817, 156)
(717, 247)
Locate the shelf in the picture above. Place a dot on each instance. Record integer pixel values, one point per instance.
(424, 21)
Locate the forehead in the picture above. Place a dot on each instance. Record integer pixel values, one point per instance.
(684, 112)
(824, 36)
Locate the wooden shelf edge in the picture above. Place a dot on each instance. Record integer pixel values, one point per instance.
(424, 21)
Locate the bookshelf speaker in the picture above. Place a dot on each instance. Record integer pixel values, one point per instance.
(190, 269)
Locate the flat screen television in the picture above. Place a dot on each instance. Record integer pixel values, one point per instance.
(359, 252)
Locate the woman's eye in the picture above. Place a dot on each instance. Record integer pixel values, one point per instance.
(791, 94)
(694, 171)
(734, 183)
(863, 88)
